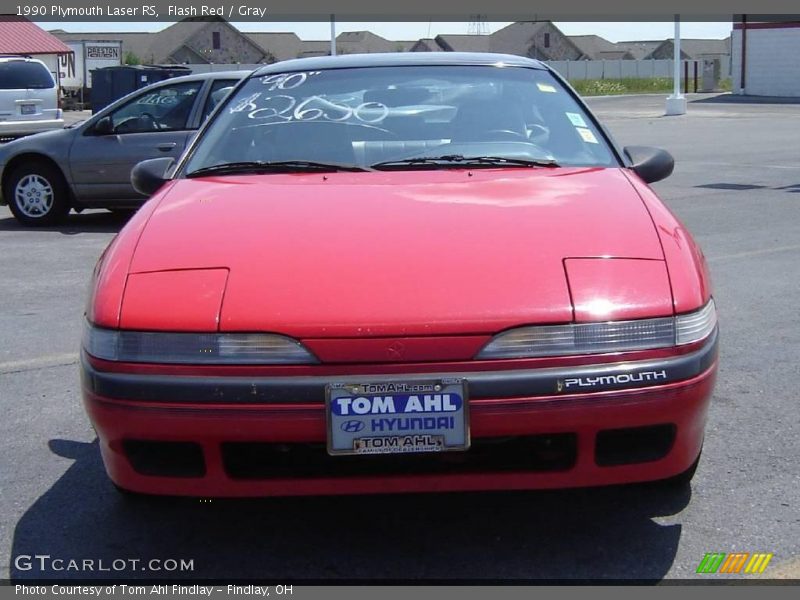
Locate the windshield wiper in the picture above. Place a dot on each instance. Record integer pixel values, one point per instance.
(263, 166)
(460, 159)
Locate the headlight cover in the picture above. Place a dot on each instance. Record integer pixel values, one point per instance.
(194, 348)
(597, 338)
(697, 325)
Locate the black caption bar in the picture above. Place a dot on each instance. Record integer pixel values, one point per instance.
(369, 10)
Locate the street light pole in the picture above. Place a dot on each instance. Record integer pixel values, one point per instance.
(333, 36)
(676, 103)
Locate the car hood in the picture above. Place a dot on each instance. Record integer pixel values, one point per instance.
(40, 142)
(390, 253)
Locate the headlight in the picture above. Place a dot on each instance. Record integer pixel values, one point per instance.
(195, 348)
(596, 338)
(695, 326)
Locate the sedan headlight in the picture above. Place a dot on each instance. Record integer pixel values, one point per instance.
(596, 338)
(194, 348)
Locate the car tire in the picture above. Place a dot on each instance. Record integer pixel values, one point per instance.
(37, 194)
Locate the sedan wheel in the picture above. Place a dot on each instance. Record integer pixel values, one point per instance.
(34, 196)
(37, 195)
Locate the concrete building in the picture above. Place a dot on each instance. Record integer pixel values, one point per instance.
(536, 39)
(191, 40)
(217, 41)
(595, 47)
(280, 45)
(765, 58)
(426, 45)
(694, 49)
(366, 42)
(197, 41)
(639, 49)
(691, 49)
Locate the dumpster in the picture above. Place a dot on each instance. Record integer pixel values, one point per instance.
(111, 83)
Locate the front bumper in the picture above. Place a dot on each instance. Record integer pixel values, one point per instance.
(543, 428)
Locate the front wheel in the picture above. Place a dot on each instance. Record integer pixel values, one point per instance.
(37, 195)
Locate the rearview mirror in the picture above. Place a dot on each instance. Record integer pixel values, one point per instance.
(651, 164)
(103, 126)
(148, 176)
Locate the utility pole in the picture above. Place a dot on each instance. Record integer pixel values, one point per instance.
(333, 36)
(477, 25)
(676, 103)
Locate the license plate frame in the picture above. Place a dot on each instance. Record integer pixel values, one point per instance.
(27, 109)
(450, 431)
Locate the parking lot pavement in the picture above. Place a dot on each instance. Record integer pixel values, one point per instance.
(737, 187)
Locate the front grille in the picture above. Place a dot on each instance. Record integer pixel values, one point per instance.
(540, 453)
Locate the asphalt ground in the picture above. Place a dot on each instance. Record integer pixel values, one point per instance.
(737, 187)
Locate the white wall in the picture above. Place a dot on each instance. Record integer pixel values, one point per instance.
(773, 62)
(612, 69)
(571, 69)
(617, 69)
(207, 68)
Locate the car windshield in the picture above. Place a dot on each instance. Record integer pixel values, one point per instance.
(403, 117)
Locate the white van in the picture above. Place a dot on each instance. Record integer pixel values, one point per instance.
(29, 100)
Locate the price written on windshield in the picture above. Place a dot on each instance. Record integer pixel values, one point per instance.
(282, 108)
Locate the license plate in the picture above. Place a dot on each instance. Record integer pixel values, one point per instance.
(28, 109)
(397, 417)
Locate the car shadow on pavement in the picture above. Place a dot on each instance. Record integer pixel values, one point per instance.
(96, 221)
(602, 533)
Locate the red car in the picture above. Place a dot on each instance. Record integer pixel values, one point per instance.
(400, 273)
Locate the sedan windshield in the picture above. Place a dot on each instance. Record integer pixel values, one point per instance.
(400, 118)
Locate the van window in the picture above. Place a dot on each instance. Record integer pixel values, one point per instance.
(20, 75)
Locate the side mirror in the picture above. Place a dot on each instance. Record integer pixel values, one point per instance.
(148, 176)
(103, 126)
(651, 164)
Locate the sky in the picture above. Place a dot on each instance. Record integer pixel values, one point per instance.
(412, 31)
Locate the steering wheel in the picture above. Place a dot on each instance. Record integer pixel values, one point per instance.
(508, 134)
(151, 119)
(538, 132)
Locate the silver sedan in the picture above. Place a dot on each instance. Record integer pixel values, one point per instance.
(88, 164)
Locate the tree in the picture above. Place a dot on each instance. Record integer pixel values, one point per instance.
(131, 59)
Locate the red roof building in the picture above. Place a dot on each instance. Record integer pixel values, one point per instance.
(18, 35)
